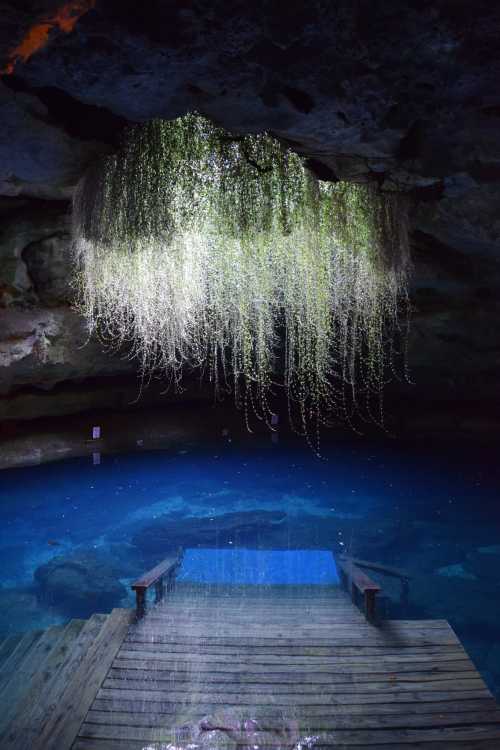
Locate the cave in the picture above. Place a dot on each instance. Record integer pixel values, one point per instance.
(250, 344)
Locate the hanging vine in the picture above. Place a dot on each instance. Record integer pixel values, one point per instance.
(226, 255)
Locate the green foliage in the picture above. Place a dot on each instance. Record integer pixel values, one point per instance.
(224, 254)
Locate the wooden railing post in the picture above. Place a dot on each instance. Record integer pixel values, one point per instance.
(159, 590)
(356, 582)
(140, 602)
(370, 604)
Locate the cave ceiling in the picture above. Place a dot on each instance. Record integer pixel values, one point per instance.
(402, 92)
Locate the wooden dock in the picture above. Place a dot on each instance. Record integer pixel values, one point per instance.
(253, 667)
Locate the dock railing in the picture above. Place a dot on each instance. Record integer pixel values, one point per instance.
(162, 577)
(358, 583)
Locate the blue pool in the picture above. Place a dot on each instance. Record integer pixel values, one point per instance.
(75, 535)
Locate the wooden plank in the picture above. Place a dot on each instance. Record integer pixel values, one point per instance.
(243, 676)
(36, 684)
(260, 605)
(276, 699)
(333, 738)
(235, 602)
(13, 662)
(360, 631)
(178, 623)
(164, 644)
(321, 723)
(333, 594)
(310, 712)
(127, 667)
(240, 688)
(337, 597)
(7, 647)
(23, 732)
(13, 691)
(392, 627)
(266, 656)
(256, 616)
(273, 590)
(39, 685)
(468, 744)
(306, 640)
(61, 730)
(336, 604)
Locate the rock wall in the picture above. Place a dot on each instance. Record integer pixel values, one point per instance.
(43, 341)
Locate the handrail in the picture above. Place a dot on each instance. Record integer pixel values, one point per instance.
(166, 569)
(386, 570)
(354, 581)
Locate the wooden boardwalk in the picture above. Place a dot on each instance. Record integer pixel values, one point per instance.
(243, 667)
(286, 667)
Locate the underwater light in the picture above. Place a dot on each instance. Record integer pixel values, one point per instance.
(204, 251)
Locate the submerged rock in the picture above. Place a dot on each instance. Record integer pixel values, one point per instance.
(493, 549)
(81, 584)
(21, 611)
(484, 563)
(229, 528)
(456, 571)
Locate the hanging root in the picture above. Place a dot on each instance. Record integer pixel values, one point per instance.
(199, 250)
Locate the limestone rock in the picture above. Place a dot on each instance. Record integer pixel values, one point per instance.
(82, 584)
(49, 264)
(43, 347)
(37, 157)
(168, 534)
(457, 570)
(23, 225)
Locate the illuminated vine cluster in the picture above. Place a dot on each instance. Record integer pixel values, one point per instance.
(223, 254)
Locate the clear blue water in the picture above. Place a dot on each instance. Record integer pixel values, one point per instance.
(431, 511)
(259, 567)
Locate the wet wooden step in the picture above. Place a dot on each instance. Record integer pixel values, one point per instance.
(127, 660)
(15, 660)
(38, 687)
(36, 711)
(19, 682)
(443, 744)
(60, 730)
(7, 647)
(310, 713)
(334, 739)
(311, 724)
(315, 678)
(275, 698)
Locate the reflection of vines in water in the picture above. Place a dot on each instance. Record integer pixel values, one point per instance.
(224, 255)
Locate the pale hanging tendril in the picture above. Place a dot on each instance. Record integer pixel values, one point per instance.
(205, 251)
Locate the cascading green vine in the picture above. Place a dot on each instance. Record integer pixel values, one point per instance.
(224, 254)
